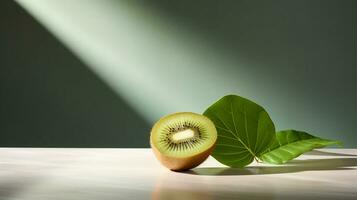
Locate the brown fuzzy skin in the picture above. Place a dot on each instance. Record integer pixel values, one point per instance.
(182, 164)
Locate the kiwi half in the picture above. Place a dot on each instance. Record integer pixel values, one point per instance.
(182, 141)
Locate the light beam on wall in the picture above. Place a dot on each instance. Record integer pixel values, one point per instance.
(158, 67)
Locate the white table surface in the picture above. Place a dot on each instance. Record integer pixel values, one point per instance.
(114, 174)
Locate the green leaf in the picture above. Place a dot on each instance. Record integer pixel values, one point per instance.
(289, 144)
(244, 129)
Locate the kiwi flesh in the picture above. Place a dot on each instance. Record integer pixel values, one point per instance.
(182, 141)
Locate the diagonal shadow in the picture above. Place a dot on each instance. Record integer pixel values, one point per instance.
(291, 167)
(289, 42)
(50, 98)
(12, 186)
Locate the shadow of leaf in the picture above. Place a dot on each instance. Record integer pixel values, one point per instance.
(291, 167)
(324, 153)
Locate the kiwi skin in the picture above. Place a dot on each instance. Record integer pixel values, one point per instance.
(181, 164)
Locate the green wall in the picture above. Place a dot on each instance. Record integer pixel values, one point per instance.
(296, 58)
(48, 98)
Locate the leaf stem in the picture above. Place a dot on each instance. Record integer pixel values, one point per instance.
(257, 160)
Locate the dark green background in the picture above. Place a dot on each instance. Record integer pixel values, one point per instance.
(49, 98)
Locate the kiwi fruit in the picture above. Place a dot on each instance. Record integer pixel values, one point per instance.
(182, 141)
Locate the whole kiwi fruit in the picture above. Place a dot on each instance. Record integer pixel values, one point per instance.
(183, 140)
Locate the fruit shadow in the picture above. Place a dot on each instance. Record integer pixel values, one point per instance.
(293, 166)
(325, 153)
